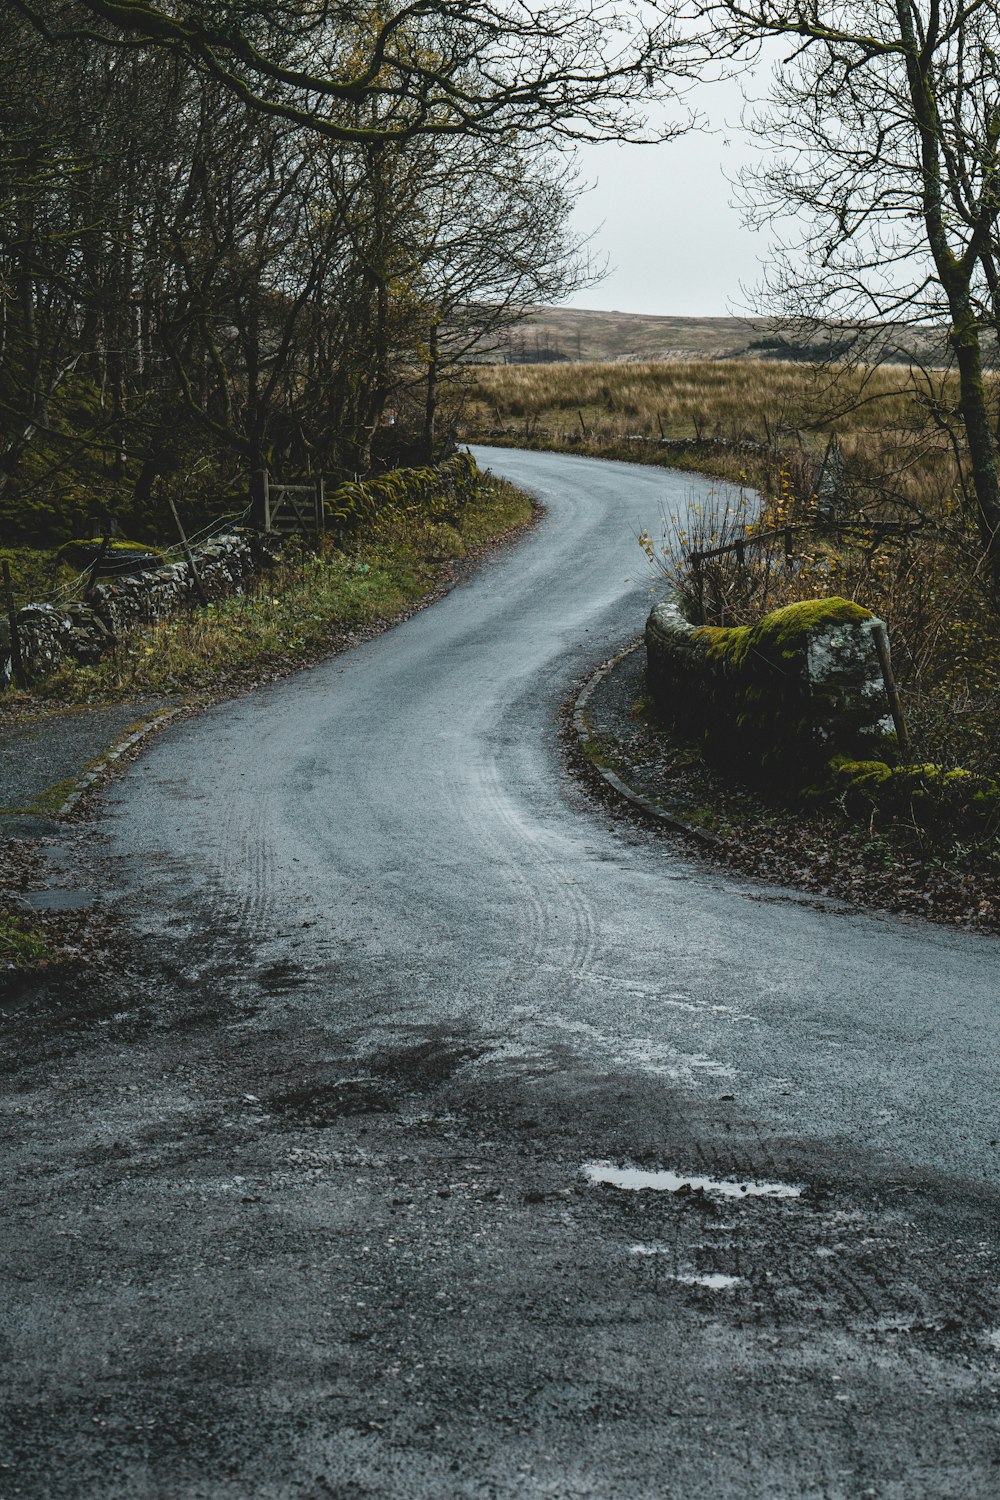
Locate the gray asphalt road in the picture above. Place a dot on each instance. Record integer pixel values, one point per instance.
(312, 1203)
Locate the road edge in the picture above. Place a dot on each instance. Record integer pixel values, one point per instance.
(663, 815)
(100, 768)
(453, 572)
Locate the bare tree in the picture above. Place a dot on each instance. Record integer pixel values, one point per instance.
(882, 133)
(441, 67)
(498, 244)
(229, 231)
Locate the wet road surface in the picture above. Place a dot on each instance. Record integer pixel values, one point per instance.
(451, 1137)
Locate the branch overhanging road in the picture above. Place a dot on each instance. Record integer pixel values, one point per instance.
(302, 1211)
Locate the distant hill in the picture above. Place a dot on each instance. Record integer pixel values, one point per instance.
(558, 334)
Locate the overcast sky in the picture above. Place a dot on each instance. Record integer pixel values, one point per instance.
(662, 216)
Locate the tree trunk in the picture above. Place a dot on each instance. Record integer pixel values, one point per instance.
(955, 273)
(974, 407)
(430, 410)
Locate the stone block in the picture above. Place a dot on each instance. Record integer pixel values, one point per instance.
(777, 700)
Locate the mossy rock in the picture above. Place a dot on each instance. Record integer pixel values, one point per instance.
(82, 554)
(772, 701)
(785, 632)
(951, 802)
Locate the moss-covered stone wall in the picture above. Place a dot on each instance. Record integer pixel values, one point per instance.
(226, 564)
(776, 701)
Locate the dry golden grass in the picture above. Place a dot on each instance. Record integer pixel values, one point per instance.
(879, 415)
(705, 398)
(767, 422)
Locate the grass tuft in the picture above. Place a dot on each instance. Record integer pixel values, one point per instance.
(21, 946)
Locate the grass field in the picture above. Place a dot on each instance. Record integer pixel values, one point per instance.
(739, 421)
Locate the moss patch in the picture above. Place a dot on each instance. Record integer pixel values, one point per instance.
(769, 701)
(948, 804)
(46, 804)
(785, 632)
(79, 554)
(21, 946)
(599, 752)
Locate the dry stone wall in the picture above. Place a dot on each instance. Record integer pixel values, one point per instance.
(226, 564)
(48, 634)
(777, 701)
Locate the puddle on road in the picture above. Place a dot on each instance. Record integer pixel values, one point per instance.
(58, 899)
(715, 1281)
(635, 1180)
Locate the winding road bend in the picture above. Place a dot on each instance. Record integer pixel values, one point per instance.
(325, 1200)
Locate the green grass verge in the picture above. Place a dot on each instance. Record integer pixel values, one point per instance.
(47, 803)
(305, 607)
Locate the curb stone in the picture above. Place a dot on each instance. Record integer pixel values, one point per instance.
(117, 750)
(645, 804)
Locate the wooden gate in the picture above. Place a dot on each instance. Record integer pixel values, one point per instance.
(292, 508)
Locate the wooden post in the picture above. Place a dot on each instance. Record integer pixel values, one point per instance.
(16, 659)
(881, 638)
(260, 500)
(583, 425)
(95, 566)
(320, 504)
(199, 586)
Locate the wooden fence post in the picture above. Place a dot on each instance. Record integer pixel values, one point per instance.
(881, 637)
(699, 585)
(260, 500)
(96, 565)
(16, 659)
(199, 586)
